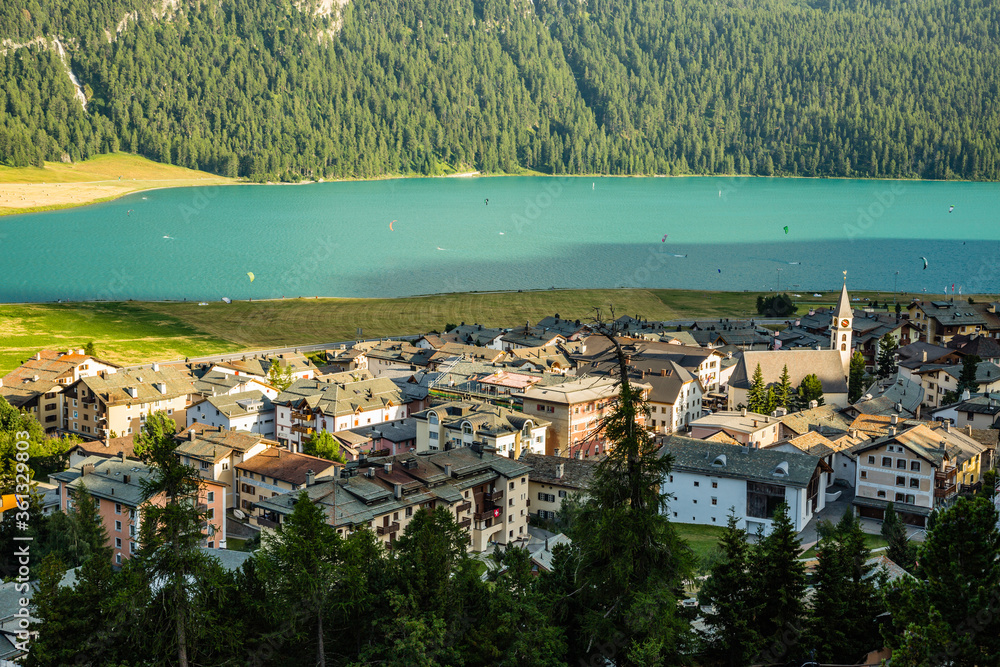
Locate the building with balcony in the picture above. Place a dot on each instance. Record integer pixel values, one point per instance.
(918, 469)
(215, 452)
(937, 380)
(117, 404)
(36, 386)
(576, 410)
(250, 411)
(272, 472)
(944, 319)
(709, 479)
(486, 493)
(334, 403)
(298, 366)
(115, 484)
(461, 424)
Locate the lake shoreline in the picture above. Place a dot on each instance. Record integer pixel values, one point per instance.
(45, 189)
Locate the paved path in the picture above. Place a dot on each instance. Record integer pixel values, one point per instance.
(834, 511)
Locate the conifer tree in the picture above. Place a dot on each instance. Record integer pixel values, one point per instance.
(810, 389)
(298, 561)
(899, 551)
(732, 639)
(887, 346)
(949, 616)
(856, 380)
(757, 394)
(784, 392)
(171, 530)
(967, 377)
(781, 580)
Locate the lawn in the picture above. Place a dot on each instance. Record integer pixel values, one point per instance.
(122, 333)
(62, 185)
(136, 332)
(702, 539)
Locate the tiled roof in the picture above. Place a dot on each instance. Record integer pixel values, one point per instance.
(813, 443)
(108, 447)
(286, 466)
(212, 443)
(886, 394)
(340, 398)
(983, 347)
(111, 387)
(48, 366)
(736, 421)
(758, 465)
(241, 404)
(576, 391)
(400, 430)
(577, 473)
(108, 479)
(912, 356)
(824, 418)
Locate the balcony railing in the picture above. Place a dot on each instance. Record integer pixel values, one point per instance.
(266, 523)
(945, 491)
(301, 416)
(302, 429)
(465, 523)
(493, 496)
(388, 530)
(464, 507)
(488, 513)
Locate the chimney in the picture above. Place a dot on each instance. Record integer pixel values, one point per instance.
(813, 404)
(892, 430)
(447, 469)
(80, 351)
(947, 427)
(310, 477)
(34, 378)
(397, 491)
(38, 356)
(121, 456)
(132, 391)
(87, 469)
(69, 351)
(388, 468)
(156, 367)
(743, 412)
(663, 372)
(853, 432)
(894, 419)
(191, 434)
(968, 430)
(560, 470)
(923, 355)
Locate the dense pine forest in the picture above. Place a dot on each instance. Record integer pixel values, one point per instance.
(289, 90)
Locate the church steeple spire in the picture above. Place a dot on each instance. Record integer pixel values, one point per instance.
(840, 329)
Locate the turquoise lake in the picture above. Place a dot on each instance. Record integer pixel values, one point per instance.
(334, 239)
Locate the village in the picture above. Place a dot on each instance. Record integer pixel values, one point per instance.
(846, 409)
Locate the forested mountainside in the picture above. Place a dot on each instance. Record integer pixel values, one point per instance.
(274, 89)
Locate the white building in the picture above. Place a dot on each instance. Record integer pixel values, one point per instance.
(710, 478)
(250, 411)
(460, 424)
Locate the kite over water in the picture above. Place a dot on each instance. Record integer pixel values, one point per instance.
(250, 273)
(390, 226)
(925, 262)
(786, 229)
(664, 239)
(951, 208)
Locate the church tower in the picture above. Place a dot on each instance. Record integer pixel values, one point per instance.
(840, 329)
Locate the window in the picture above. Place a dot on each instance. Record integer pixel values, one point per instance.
(914, 483)
(901, 463)
(886, 461)
(512, 486)
(524, 480)
(118, 559)
(900, 480)
(715, 485)
(433, 435)
(914, 466)
(671, 479)
(131, 547)
(204, 465)
(697, 484)
(900, 498)
(118, 508)
(715, 501)
(864, 474)
(881, 494)
(695, 501)
(118, 526)
(763, 499)
(118, 543)
(409, 511)
(546, 497)
(562, 494)
(910, 498)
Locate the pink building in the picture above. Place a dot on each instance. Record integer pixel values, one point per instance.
(115, 486)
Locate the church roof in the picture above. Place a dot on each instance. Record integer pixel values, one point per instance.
(827, 365)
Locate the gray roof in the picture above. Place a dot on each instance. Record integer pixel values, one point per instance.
(228, 558)
(987, 404)
(757, 465)
(825, 364)
(912, 355)
(108, 478)
(986, 371)
(340, 398)
(543, 557)
(827, 419)
(241, 404)
(885, 394)
(400, 430)
(577, 473)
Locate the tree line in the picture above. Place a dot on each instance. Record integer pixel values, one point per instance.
(275, 90)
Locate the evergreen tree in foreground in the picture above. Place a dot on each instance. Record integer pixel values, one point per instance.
(757, 394)
(900, 551)
(732, 639)
(784, 392)
(887, 346)
(857, 378)
(780, 579)
(624, 581)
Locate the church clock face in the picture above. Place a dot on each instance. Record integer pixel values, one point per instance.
(845, 323)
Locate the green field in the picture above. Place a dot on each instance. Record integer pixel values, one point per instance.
(871, 541)
(702, 539)
(136, 332)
